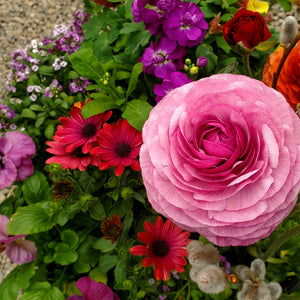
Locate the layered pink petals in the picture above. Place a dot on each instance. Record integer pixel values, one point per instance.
(165, 248)
(221, 156)
(118, 146)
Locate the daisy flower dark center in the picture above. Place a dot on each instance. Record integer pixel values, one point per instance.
(123, 150)
(159, 248)
(78, 152)
(89, 130)
(113, 230)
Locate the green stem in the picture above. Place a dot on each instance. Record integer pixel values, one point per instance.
(280, 241)
(246, 62)
(181, 290)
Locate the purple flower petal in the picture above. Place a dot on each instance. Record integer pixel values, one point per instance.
(8, 172)
(3, 222)
(21, 251)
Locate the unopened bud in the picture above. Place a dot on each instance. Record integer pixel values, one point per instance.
(204, 256)
(193, 245)
(288, 31)
(258, 269)
(212, 280)
(194, 70)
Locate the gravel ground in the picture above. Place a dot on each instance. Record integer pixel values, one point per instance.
(24, 20)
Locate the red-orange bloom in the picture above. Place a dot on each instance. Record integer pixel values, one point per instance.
(118, 146)
(289, 79)
(165, 248)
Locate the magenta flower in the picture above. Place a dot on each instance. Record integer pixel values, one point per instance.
(170, 82)
(186, 25)
(163, 57)
(220, 162)
(92, 290)
(20, 251)
(15, 164)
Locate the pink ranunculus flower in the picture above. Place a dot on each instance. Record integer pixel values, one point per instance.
(221, 156)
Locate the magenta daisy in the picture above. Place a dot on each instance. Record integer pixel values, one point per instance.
(118, 146)
(77, 131)
(165, 248)
(75, 159)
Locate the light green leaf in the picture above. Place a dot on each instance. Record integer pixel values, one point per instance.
(104, 245)
(64, 255)
(27, 113)
(137, 112)
(42, 291)
(70, 237)
(136, 71)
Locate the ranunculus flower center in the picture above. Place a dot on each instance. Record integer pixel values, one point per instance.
(159, 248)
(89, 130)
(123, 150)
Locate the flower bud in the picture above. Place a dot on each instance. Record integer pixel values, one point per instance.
(194, 70)
(212, 280)
(258, 269)
(275, 289)
(288, 31)
(193, 245)
(194, 273)
(204, 256)
(202, 62)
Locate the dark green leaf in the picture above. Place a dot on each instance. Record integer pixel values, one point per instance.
(36, 188)
(64, 255)
(42, 291)
(46, 70)
(70, 237)
(27, 113)
(104, 245)
(136, 71)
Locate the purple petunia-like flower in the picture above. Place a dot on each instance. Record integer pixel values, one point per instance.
(92, 290)
(15, 164)
(186, 25)
(163, 57)
(19, 250)
(172, 81)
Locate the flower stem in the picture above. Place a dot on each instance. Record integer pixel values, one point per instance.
(280, 241)
(286, 53)
(246, 62)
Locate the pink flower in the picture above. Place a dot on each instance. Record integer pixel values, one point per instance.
(16, 148)
(20, 251)
(221, 156)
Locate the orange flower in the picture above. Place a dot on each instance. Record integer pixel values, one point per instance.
(112, 228)
(289, 79)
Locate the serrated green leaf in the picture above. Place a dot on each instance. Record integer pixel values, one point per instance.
(136, 112)
(104, 245)
(64, 255)
(31, 219)
(24, 273)
(36, 188)
(42, 291)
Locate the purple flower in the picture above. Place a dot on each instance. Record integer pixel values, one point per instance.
(163, 57)
(202, 61)
(15, 164)
(172, 81)
(92, 290)
(186, 25)
(79, 85)
(19, 250)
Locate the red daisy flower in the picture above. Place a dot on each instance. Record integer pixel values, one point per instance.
(118, 146)
(80, 132)
(165, 248)
(75, 159)
(112, 228)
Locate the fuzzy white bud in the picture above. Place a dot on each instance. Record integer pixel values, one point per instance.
(193, 245)
(204, 255)
(258, 269)
(211, 280)
(288, 31)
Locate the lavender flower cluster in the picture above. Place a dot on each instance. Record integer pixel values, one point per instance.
(5, 114)
(178, 25)
(66, 40)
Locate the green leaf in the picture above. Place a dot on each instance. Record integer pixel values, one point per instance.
(64, 254)
(102, 48)
(107, 262)
(286, 5)
(104, 245)
(36, 188)
(42, 291)
(36, 107)
(46, 70)
(119, 272)
(266, 45)
(9, 288)
(49, 131)
(27, 113)
(207, 51)
(137, 112)
(100, 104)
(70, 237)
(127, 222)
(136, 71)
(24, 273)
(221, 43)
(31, 219)
(96, 210)
(87, 64)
